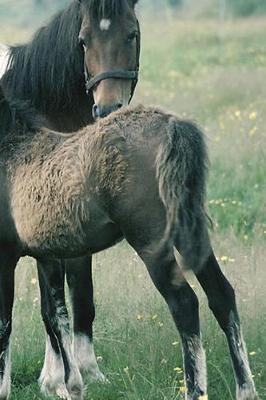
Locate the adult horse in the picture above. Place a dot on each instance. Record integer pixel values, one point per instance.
(81, 66)
(138, 174)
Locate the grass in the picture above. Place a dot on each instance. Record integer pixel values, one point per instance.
(213, 74)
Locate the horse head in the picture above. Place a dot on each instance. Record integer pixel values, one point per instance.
(110, 38)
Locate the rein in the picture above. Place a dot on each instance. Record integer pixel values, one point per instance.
(92, 81)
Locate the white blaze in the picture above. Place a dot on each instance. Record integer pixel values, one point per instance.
(105, 24)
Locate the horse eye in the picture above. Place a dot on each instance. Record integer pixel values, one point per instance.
(131, 37)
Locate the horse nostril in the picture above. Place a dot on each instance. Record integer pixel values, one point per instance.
(119, 105)
(95, 111)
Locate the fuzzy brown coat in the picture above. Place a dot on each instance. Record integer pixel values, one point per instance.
(139, 172)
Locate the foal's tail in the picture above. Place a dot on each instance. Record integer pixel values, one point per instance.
(181, 167)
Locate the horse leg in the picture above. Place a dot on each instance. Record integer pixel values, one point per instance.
(79, 279)
(60, 374)
(222, 302)
(183, 305)
(8, 263)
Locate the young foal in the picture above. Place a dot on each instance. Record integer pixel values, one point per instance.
(138, 174)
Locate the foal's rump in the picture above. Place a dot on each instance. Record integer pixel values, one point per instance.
(165, 185)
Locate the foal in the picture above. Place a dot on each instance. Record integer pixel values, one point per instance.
(138, 174)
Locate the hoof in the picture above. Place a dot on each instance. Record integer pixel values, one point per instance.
(63, 393)
(71, 391)
(97, 376)
(247, 392)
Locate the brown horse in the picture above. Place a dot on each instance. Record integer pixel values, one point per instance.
(82, 65)
(138, 174)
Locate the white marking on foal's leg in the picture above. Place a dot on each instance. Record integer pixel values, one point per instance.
(4, 57)
(246, 391)
(86, 359)
(194, 360)
(5, 382)
(105, 24)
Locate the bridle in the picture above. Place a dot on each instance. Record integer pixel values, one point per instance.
(92, 81)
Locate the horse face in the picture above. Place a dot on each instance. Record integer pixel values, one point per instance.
(110, 39)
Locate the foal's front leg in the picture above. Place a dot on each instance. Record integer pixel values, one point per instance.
(79, 279)
(222, 302)
(60, 374)
(7, 270)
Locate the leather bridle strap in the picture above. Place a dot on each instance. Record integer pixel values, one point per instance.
(117, 74)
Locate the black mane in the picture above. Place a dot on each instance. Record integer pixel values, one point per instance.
(18, 118)
(48, 71)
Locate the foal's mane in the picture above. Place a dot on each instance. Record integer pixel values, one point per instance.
(17, 117)
(48, 71)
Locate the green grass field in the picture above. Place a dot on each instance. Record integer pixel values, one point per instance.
(215, 75)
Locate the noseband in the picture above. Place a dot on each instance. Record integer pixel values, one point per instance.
(92, 81)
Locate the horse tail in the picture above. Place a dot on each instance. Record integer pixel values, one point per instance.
(181, 168)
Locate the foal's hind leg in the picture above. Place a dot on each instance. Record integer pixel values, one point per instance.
(222, 302)
(183, 305)
(79, 279)
(7, 270)
(60, 375)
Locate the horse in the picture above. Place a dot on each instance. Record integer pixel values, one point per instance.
(81, 66)
(138, 174)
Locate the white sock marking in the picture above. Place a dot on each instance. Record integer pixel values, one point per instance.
(105, 24)
(86, 359)
(5, 383)
(52, 375)
(52, 378)
(248, 390)
(196, 349)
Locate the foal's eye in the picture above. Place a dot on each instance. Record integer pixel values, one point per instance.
(131, 37)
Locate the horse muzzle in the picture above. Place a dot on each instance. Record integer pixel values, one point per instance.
(99, 111)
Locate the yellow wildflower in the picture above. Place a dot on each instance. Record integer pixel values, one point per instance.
(253, 115)
(224, 258)
(183, 389)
